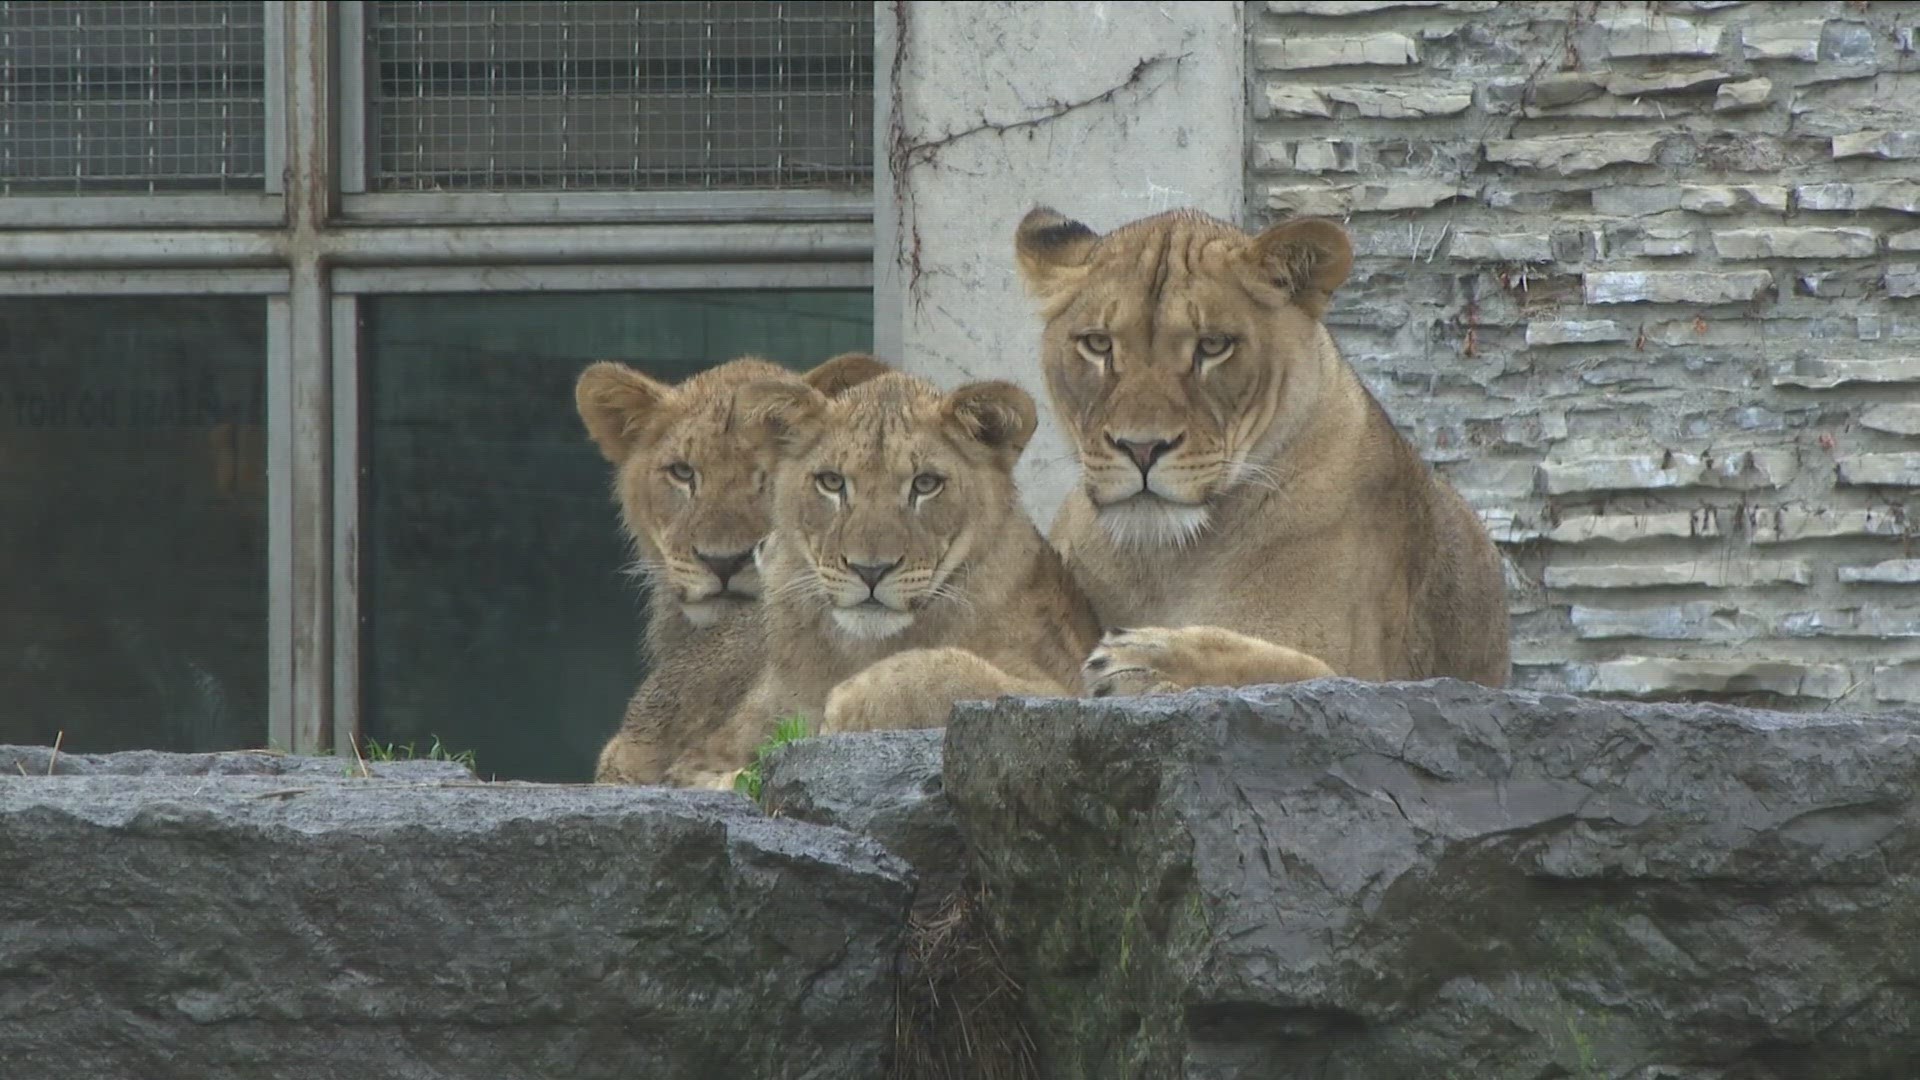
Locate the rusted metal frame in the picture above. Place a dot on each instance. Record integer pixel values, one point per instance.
(348, 476)
(274, 42)
(892, 208)
(141, 211)
(545, 208)
(844, 241)
(138, 282)
(351, 103)
(389, 280)
(310, 199)
(280, 524)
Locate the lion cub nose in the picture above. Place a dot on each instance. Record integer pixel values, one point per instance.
(871, 573)
(725, 566)
(1145, 452)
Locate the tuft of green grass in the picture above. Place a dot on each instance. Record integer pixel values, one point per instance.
(377, 752)
(791, 729)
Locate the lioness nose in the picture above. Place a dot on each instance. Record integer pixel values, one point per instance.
(725, 566)
(871, 573)
(1145, 452)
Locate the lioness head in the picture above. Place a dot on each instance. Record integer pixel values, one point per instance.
(691, 469)
(883, 495)
(1176, 350)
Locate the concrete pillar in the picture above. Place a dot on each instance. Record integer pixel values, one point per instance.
(1106, 111)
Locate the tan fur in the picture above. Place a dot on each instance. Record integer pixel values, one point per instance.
(702, 640)
(682, 705)
(1285, 529)
(917, 689)
(977, 604)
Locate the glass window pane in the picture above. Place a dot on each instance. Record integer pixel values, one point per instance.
(110, 96)
(133, 523)
(496, 616)
(637, 95)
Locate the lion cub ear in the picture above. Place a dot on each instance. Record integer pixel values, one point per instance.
(792, 410)
(614, 401)
(1308, 257)
(1052, 250)
(998, 415)
(844, 372)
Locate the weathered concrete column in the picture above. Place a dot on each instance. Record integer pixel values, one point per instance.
(1107, 111)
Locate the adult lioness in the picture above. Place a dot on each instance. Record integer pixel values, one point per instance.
(901, 562)
(1245, 503)
(690, 471)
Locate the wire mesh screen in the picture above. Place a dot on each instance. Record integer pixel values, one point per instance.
(652, 95)
(106, 97)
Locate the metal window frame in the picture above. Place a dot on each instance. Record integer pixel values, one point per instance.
(273, 286)
(239, 209)
(352, 284)
(316, 242)
(361, 206)
(532, 207)
(349, 496)
(524, 278)
(797, 241)
(280, 526)
(143, 282)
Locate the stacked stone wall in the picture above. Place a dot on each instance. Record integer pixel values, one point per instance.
(1643, 279)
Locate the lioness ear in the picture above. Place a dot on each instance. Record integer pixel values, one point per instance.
(1051, 249)
(998, 415)
(844, 372)
(1308, 257)
(790, 409)
(614, 401)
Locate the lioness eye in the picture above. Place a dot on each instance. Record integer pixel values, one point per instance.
(681, 471)
(830, 482)
(1212, 347)
(927, 484)
(1096, 345)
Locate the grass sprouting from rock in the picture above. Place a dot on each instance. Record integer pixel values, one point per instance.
(372, 751)
(791, 729)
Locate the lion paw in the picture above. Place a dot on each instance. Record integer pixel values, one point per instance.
(1157, 660)
(1131, 663)
(709, 779)
(917, 689)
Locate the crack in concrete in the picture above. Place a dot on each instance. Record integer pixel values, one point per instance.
(903, 153)
(925, 151)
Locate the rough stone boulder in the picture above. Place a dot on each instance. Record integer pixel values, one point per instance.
(883, 784)
(1367, 882)
(958, 1013)
(46, 761)
(243, 926)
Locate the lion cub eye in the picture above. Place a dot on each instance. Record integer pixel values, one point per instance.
(830, 482)
(1096, 347)
(1211, 349)
(927, 484)
(681, 472)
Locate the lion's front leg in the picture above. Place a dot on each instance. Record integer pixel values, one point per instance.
(710, 779)
(721, 755)
(1158, 660)
(917, 689)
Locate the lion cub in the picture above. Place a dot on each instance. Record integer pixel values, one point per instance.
(690, 471)
(1244, 501)
(901, 573)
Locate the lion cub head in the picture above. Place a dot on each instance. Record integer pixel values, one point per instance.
(885, 496)
(691, 469)
(1179, 352)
